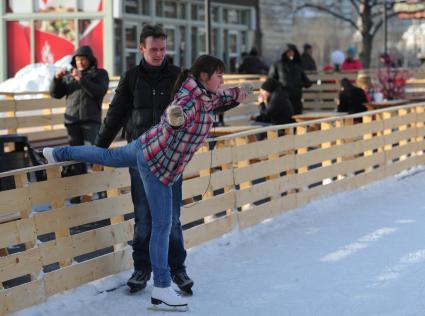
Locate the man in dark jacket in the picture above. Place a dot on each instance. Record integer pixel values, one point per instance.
(352, 99)
(84, 87)
(307, 58)
(290, 73)
(252, 64)
(141, 97)
(274, 104)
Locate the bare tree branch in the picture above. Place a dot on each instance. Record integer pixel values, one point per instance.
(380, 22)
(326, 10)
(356, 6)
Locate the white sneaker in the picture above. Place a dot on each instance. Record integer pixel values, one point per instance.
(168, 297)
(48, 154)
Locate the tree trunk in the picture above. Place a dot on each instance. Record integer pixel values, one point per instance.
(366, 50)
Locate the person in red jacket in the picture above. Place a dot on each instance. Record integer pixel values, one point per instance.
(350, 62)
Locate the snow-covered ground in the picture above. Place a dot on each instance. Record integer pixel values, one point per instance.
(356, 253)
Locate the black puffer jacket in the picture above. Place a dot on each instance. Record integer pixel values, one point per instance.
(278, 109)
(84, 98)
(290, 73)
(140, 108)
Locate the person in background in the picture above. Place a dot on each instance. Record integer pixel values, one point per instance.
(84, 87)
(307, 58)
(350, 62)
(140, 99)
(352, 99)
(252, 64)
(161, 154)
(274, 104)
(290, 73)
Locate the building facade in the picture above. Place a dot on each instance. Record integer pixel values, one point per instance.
(33, 31)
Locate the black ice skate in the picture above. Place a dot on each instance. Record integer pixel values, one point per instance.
(138, 280)
(182, 280)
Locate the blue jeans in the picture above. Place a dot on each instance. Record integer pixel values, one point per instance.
(143, 224)
(159, 196)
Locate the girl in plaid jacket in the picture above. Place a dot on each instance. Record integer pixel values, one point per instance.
(162, 153)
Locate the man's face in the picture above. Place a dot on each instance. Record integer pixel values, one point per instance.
(82, 62)
(153, 50)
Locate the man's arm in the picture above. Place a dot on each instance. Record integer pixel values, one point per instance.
(117, 113)
(95, 89)
(57, 88)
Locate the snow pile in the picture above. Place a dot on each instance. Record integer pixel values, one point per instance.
(34, 77)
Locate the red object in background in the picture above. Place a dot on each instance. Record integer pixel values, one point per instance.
(49, 48)
(18, 47)
(93, 37)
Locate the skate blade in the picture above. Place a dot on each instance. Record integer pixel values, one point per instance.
(167, 308)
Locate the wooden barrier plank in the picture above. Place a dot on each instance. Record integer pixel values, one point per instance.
(64, 188)
(38, 136)
(198, 186)
(7, 105)
(19, 264)
(262, 148)
(264, 168)
(22, 296)
(264, 211)
(16, 200)
(67, 217)
(205, 160)
(85, 242)
(39, 120)
(205, 232)
(265, 189)
(17, 232)
(200, 209)
(75, 275)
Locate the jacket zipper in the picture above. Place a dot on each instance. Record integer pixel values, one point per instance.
(153, 108)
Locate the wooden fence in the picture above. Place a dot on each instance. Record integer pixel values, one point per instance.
(41, 117)
(247, 178)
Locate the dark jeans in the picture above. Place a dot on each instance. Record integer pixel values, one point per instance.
(296, 100)
(143, 225)
(83, 133)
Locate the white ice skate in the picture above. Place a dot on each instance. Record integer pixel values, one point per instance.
(48, 154)
(167, 299)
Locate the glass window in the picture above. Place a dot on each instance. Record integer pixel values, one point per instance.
(167, 9)
(118, 47)
(145, 7)
(18, 46)
(18, 6)
(131, 40)
(57, 6)
(181, 12)
(182, 47)
(171, 40)
(232, 16)
(131, 6)
(198, 13)
(233, 43)
(130, 59)
(215, 15)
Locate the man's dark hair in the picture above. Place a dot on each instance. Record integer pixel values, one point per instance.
(156, 31)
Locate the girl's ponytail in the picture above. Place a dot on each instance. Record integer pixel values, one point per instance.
(180, 79)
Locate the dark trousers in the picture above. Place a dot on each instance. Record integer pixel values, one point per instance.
(143, 227)
(83, 133)
(296, 100)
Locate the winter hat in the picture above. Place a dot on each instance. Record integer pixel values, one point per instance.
(307, 46)
(351, 51)
(270, 85)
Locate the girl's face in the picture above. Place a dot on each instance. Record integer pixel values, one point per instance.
(213, 83)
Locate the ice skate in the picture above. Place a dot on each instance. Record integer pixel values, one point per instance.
(138, 280)
(183, 281)
(166, 299)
